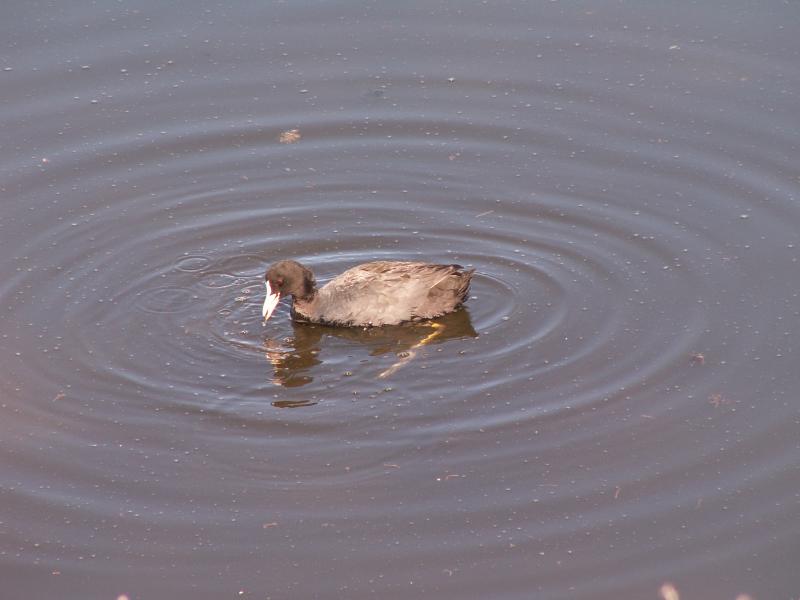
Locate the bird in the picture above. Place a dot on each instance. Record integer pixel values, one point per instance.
(368, 295)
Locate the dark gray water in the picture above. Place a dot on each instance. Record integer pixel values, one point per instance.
(616, 408)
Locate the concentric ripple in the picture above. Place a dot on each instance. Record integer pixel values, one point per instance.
(611, 410)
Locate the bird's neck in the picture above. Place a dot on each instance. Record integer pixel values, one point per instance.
(305, 307)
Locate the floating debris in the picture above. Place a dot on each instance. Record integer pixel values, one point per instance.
(668, 592)
(290, 136)
(718, 400)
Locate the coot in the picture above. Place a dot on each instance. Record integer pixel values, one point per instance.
(372, 294)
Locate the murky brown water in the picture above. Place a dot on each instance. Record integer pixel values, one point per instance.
(616, 408)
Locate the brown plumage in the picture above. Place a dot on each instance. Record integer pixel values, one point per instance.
(375, 293)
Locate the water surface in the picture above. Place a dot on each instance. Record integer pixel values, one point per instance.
(614, 409)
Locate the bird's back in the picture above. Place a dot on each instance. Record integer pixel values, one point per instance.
(390, 292)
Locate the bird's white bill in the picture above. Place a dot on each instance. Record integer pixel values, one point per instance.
(270, 303)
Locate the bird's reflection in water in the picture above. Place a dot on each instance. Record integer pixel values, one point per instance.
(294, 358)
